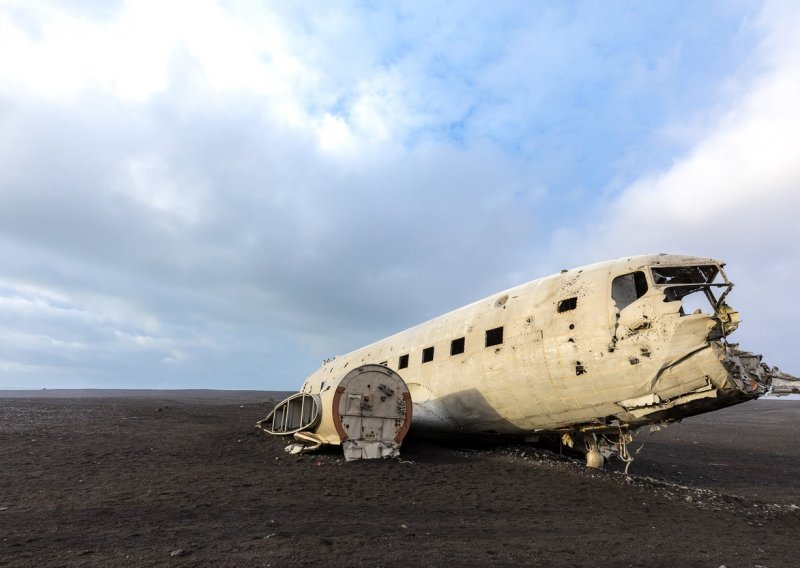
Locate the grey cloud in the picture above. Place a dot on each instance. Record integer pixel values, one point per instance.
(286, 244)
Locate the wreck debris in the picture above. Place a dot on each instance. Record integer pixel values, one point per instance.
(783, 383)
(584, 357)
(299, 412)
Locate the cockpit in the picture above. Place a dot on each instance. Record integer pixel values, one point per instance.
(693, 286)
(686, 290)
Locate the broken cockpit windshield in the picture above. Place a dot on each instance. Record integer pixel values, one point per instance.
(682, 281)
(684, 274)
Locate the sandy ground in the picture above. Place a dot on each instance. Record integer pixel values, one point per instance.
(182, 478)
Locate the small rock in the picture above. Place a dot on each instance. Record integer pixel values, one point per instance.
(403, 527)
(689, 500)
(179, 552)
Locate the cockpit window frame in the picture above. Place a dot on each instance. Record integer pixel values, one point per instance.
(676, 291)
(684, 275)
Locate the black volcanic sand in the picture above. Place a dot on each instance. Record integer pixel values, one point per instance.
(184, 479)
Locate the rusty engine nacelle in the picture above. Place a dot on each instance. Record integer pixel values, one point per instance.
(367, 411)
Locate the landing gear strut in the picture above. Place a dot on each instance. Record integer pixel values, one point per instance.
(594, 458)
(601, 446)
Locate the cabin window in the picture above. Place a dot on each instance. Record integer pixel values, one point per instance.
(457, 346)
(403, 362)
(494, 336)
(427, 354)
(628, 288)
(567, 305)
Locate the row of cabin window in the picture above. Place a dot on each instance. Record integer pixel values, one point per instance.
(625, 290)
(493, 337)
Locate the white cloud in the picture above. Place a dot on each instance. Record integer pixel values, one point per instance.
(69, 53)
(735, 195)
(335, 135)
(145, 179)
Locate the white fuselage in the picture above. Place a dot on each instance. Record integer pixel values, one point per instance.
(570, 354)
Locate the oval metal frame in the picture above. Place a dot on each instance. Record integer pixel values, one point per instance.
(299, 412)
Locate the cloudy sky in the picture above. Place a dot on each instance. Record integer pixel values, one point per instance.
(219, 195)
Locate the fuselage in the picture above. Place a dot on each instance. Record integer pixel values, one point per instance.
(593, 347)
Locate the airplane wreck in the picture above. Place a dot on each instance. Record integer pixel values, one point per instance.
(584, 357)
